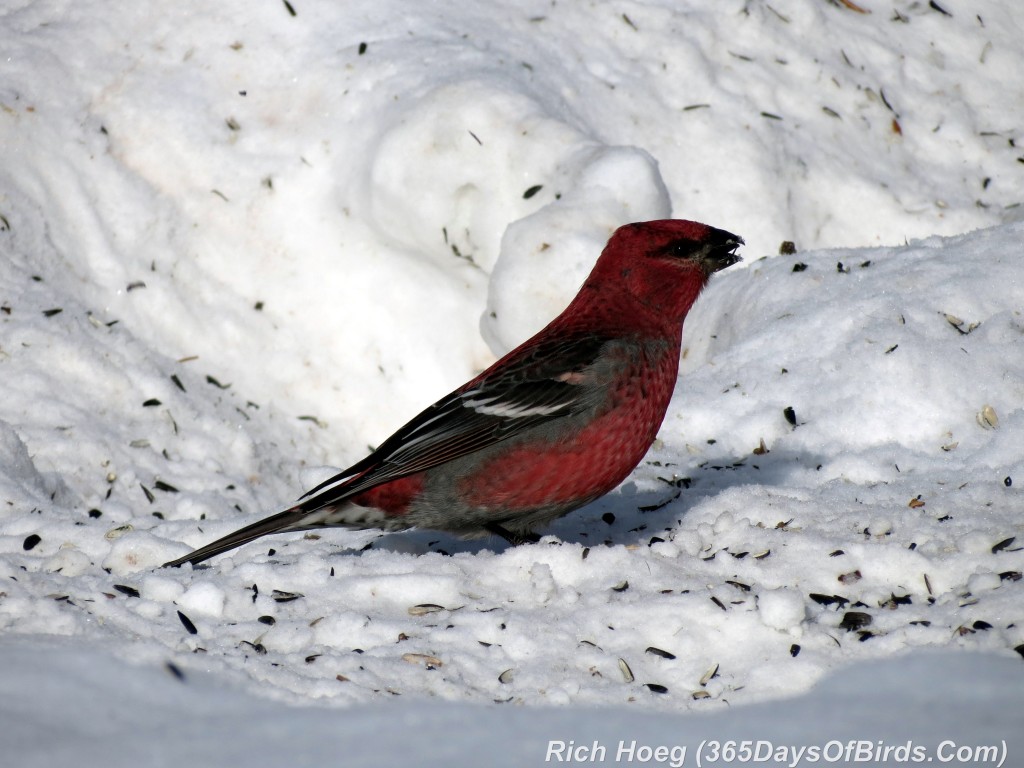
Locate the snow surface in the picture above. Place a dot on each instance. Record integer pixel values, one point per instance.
(241, 243)
(117, 715)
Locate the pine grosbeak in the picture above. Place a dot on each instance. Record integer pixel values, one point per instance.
(556, 423)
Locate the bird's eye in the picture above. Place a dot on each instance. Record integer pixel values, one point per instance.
(681, 249)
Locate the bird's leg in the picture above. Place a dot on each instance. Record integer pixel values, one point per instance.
(515, 539)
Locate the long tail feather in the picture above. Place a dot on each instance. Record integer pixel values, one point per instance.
(279, 523)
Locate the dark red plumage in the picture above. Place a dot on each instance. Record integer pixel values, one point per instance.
(554, 424)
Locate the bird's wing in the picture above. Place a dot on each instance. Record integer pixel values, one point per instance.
(533, 385)
(546, 380)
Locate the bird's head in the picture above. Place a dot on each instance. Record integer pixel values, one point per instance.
(664, 264)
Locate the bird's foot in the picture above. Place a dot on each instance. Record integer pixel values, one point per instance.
(515, 539)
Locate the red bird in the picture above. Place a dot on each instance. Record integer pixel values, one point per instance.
(556, 423)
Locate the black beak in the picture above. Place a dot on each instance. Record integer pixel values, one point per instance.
(721, 251)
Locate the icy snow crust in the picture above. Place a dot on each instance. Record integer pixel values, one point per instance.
(240, 244)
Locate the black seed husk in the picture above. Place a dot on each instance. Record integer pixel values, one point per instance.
(187, 623)
(853, 620)
(175, 670)
(1000, 546)
(828, 599)
(659, 652)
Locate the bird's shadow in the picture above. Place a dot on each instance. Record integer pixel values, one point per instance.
(626, 516)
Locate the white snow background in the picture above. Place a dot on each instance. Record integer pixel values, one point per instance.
(244, 240)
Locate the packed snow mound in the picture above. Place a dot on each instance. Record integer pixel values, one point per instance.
(314, 164)
(907, 346)
(548, 251)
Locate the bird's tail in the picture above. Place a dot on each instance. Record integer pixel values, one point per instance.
(328, 509)
(324, 506)
(290, 519)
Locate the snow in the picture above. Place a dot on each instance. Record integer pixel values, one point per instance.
(241, 244)
(117, 715)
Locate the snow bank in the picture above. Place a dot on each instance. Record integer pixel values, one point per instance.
(240, 243)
